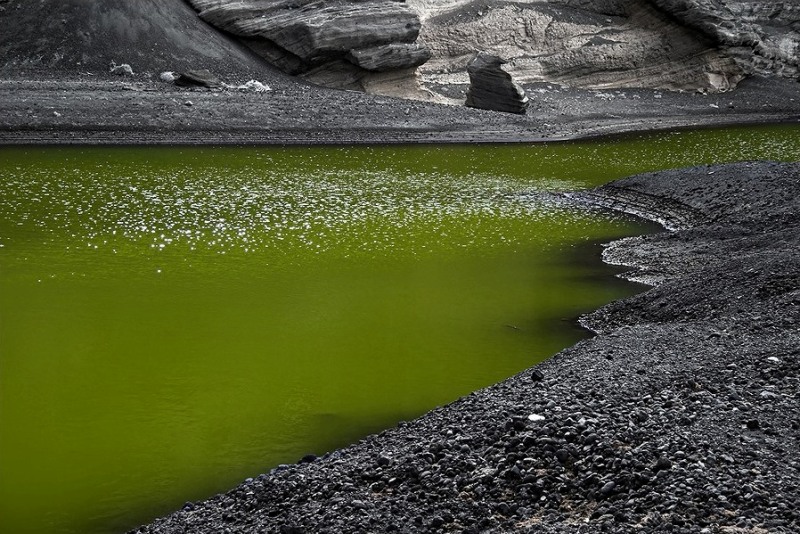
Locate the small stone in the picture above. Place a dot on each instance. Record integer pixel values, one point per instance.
(121, 70)
(562, 455)
(513, 473)
(537, 375)
(534, 417)
(661, 464)
(753, 424)
(608, 488)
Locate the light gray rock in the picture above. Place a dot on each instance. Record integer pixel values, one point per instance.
(120, 70)
(492, 88)
(581, 43)
(704, 46)
(763, 36)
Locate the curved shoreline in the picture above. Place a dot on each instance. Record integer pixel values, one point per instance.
(679, 416)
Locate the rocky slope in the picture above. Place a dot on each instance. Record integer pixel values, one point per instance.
(418, 48)
(762, 36)
(680, 416)
(51, 38)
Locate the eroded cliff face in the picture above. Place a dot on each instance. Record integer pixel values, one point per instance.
(363, 45)
(762, 36)
(586, 44)
(421, 48)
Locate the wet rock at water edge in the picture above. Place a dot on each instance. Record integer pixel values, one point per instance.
(492, 88)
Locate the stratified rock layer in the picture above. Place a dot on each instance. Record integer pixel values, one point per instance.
(333, 42)
(682, 45)
(597, 44)
(389, 57)
(492, 88)
(764, 37)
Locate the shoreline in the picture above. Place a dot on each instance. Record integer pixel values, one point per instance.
(299, 138)
(680, 415)
(105, 111)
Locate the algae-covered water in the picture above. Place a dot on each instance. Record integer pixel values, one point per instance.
(173, 320)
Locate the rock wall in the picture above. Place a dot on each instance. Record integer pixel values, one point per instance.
(344, 44)
(763, 37)
(600, 44)
(416, 48)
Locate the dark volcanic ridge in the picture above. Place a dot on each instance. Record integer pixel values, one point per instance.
(680, 416)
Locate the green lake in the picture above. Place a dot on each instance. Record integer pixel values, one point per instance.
(174, 320)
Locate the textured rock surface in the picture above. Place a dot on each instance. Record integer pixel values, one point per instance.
(492, 88)
(763, 36)
(197, 78)
(313, 37)
(389, 57)
(684, 45)
(600, 44)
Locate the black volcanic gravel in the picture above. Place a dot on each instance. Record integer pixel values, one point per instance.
(680, 416)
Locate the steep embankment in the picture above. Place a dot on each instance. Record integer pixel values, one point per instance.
(67, 37)
(680, 416)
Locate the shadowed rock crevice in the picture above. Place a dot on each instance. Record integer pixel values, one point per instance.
(492, 88)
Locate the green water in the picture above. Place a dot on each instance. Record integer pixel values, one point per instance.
(173, 320)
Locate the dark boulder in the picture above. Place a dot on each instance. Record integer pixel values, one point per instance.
(492, 88)
(197, 78)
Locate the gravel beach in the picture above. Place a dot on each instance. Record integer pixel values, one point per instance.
(681, 415)
(72, 109)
